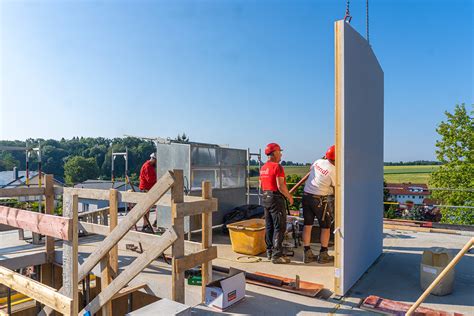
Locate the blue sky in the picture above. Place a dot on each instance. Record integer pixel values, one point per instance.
(242, 73)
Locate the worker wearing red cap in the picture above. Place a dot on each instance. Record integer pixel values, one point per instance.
(318, 201)
(273, 184)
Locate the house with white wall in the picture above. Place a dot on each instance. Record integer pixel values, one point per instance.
(408, 192)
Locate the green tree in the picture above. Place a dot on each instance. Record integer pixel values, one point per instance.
(78, 169)
(7, 161)
(455, 150)
(292, 179)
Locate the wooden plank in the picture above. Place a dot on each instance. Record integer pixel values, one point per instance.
(70, 255)
(206, 236)
(129, 290)
(158, 190)
(385, 306)
(132, 236)
(49, 225)
(34, 289)
(91, 194)
(177, 196)
(195, 259)
(109, 263)
(24, 261)
(140, 263)
(94, 212)
(196, 207)
(47, 269)
(14, 192)
(134, 197)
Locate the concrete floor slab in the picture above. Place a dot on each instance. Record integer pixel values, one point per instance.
(394, 276)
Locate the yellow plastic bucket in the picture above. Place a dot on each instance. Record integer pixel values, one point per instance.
(248, 237)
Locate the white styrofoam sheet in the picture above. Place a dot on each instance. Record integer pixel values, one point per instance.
(360, 113)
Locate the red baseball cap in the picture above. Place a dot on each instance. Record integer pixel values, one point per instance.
(271, 148)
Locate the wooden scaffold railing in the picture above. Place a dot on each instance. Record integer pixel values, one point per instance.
(66, 227)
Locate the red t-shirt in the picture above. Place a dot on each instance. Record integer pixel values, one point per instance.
(268, 174)
(147, 176)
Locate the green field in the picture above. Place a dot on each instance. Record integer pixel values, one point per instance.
(393, 174)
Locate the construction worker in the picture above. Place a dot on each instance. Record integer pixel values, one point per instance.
(273, 184)
(147, 181)
(318, 201)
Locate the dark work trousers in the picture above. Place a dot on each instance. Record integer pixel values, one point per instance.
(275, 221)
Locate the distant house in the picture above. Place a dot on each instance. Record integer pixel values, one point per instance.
(408, 192)
(14, 178)
(86, 205)
(17, 179)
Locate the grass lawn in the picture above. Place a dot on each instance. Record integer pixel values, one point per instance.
(393, 174)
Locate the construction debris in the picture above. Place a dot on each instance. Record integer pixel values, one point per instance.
(388, 307)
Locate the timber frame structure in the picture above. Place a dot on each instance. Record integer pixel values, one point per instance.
(65, 300)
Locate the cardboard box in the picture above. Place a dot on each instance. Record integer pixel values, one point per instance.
(227, 291)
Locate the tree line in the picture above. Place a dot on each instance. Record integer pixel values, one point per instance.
(80, 158)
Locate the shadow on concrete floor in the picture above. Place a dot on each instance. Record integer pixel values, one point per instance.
(396, 276)
(277, 305)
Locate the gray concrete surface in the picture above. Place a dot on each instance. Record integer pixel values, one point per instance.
(395, 276)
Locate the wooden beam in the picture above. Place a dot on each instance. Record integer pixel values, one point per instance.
(14, 192)
(91, 194)
(49, 225)
(206, 236)
(177, 196)
(70, 254)
(132, 236)
(129, 290)
(140, 263)
(134, 197)
(37, 291)
(109, 263)
(99, 210)
(24, 261)
(196, 207)
(195, 259)
(158, 190)
(47, 269)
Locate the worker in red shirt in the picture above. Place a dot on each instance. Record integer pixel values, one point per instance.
(273, 184)
(147, 181)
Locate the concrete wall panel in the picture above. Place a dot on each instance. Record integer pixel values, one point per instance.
(359, 145)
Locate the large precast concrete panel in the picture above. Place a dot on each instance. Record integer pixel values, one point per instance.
(359, 156)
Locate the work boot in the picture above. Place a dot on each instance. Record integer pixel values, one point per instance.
(281, 260)
(324, 257)
(269, 254)
(309, 256)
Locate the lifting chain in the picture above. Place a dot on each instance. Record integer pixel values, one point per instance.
(347, 17)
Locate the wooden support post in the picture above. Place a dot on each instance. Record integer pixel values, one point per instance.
(47, 269)
(70, 254)
(109, 264)
(206, 267)
(443, 273)
(177, 196)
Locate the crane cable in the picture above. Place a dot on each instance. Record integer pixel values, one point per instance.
(367, 20)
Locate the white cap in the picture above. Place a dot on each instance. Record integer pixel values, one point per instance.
(153, 156)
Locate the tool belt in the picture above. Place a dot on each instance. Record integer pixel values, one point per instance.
(326, 201)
